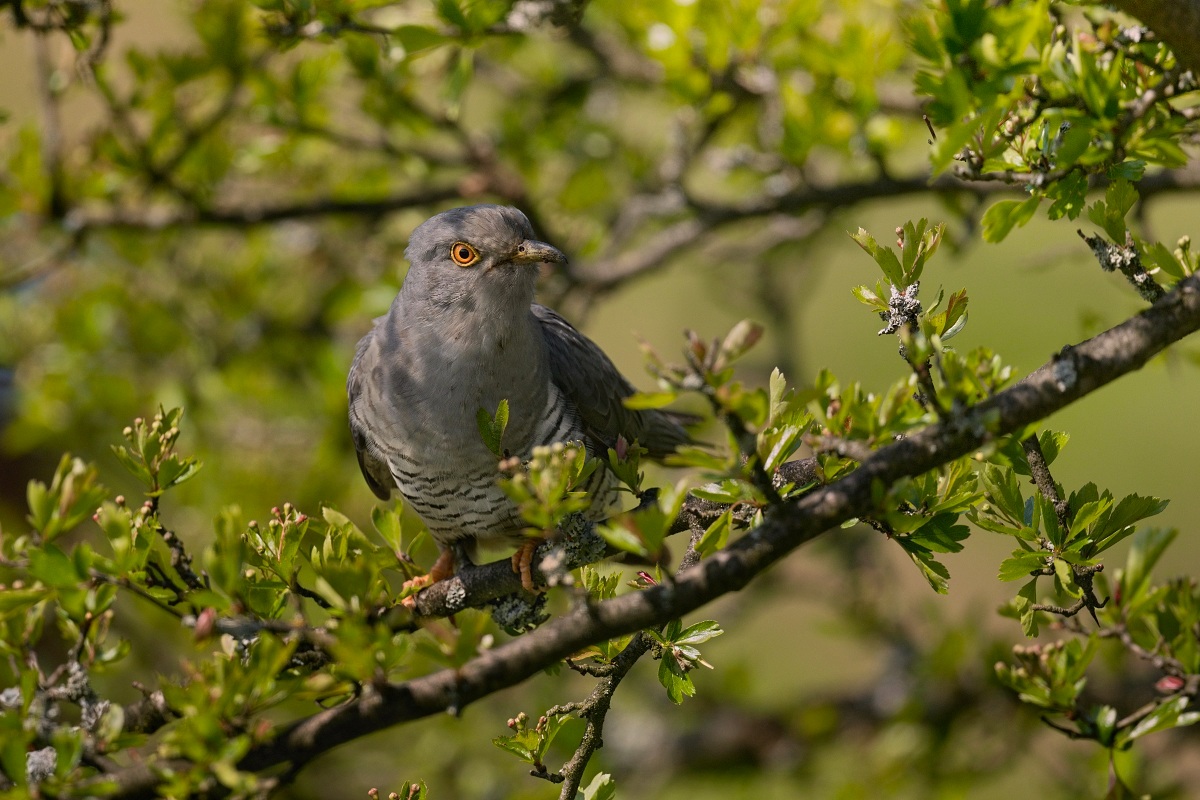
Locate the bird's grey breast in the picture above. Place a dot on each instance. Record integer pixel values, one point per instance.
(423, 387)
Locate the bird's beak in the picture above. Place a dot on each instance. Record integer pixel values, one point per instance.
(532, 251)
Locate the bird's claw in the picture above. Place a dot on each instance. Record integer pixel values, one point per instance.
(442, 569)
(522, 563)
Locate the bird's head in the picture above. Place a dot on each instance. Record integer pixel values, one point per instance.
(477, 259)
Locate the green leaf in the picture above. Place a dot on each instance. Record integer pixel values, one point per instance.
(956, 315)
(387, 524)
(512, 745)
(344, 525)
(941, 534)
(716, 535)
(460, 78)
(884, 257)
(602, 787)
(1021, 565)
(1004, 215)
(699, 632)
(1066, 576)
(1147, 547)
(741, 337)
(133, 464)
(622, 535)
(1026, 599)
(1131, 169)
(1074, 143)
(1045, 511)
(933, 571)
(41, 505)
(450, 11)
(53, 567)
(175, 471)
(1052, 443)
(415, 38)
(919, 243)
(13, 749)
(677, 682)
(776, 392)
(1134, 508)
(1171, 713)
(869, 298)
(1159, 256)
(1105, 720)
(18, 600)
(729, 490)
(641, 401)
(1087, 514)
(492, 427)
(1109, 214)
(1069, 196)
(1003, 491)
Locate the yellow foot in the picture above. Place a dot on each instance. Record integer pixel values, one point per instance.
(522, 563)
(442, 569)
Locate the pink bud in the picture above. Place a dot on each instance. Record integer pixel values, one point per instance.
(1169, 684)
(205, 623)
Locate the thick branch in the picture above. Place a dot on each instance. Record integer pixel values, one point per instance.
(1177, 22)
(1067, 377)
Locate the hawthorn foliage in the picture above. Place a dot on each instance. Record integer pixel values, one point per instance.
(220, 236)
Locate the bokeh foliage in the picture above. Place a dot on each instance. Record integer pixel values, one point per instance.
(212, 224)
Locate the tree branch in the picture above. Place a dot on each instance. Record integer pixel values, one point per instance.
(649, 253)
(1067, 377)
(244, 216)
(1177, 22)
(1039, 470)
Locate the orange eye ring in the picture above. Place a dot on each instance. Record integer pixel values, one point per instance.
(463, 254)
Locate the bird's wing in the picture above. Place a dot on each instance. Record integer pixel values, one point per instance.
(593, 384)
(360, 390)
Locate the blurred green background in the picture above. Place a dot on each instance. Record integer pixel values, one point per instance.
(252, 328)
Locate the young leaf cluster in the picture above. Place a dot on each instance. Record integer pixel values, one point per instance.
(549, 487)
(679, 655)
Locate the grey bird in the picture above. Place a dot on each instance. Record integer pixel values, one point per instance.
(463, 334)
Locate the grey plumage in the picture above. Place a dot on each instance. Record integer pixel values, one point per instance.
(461, 338)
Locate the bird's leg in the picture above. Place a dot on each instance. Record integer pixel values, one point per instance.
(442, 569)
(522, 562)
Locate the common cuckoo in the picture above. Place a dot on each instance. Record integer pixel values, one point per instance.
(463, 334)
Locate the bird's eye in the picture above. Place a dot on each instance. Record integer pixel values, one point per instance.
(463, 254)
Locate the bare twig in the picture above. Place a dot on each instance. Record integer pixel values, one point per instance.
(52, 134)
(1040, 471)
(1126, 260)
(245, 216)
(595, 709)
